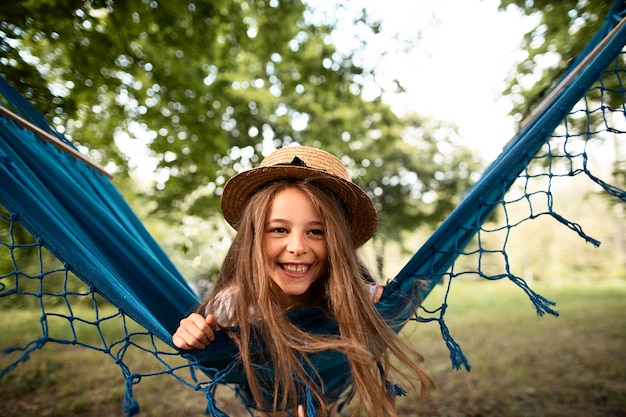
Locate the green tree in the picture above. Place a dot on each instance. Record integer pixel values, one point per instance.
(564, 28)
(211, 85)
(415, 177)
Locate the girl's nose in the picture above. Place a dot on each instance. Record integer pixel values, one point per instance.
(297, 244)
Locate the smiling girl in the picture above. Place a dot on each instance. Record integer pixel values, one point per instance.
(300, 220)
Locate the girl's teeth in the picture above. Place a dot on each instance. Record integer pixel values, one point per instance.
(296, 269)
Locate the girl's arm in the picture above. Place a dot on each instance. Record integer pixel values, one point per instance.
(195, 332)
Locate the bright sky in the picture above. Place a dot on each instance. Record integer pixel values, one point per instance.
(463, 51)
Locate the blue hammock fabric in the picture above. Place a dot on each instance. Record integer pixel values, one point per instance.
(85, 222)
(81, 219)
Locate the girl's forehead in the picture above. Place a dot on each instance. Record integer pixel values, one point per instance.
(292, 200)
(292, 205)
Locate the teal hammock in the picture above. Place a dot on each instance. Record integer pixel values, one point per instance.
(68, 238)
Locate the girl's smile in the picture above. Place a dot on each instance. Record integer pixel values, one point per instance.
(296, 269)
(294, 243)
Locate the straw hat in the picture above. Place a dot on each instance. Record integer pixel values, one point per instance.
(302, 162)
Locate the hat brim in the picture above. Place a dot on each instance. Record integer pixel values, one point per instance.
(238, 190)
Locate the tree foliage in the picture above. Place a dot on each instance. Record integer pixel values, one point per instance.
(212, 85)
(564, 28)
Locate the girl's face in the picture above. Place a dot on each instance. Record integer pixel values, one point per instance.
(295, 244)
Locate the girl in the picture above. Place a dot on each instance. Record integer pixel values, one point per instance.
(300, 220)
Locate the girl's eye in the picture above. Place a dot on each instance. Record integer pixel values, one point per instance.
(278, 230)
(317, 232)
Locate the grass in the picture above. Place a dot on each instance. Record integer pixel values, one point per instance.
(522, 365)
(525, 365)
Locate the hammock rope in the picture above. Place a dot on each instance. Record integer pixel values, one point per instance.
(68, 239)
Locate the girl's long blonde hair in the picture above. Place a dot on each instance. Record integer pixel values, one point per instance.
(367, 341)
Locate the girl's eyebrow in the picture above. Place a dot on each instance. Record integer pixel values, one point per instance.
(276, 220)
(285, 221)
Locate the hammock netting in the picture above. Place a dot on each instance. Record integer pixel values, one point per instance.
(71, 247)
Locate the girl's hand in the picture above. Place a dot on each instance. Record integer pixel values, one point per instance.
(377, 292)
(195, 332)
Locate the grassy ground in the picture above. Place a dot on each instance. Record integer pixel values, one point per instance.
(522, 364)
